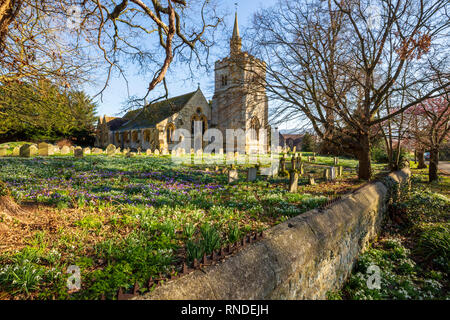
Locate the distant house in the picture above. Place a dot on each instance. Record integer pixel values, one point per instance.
(291, 140)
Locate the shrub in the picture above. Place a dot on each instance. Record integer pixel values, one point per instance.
(434, 242)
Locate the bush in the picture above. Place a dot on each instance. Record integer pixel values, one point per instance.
(434, 242)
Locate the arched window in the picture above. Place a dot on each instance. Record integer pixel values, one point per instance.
(146, 136)
(255, 125)
(204, 124)
(224, 80)
(193, 119)
(169, 132)
(134, 136)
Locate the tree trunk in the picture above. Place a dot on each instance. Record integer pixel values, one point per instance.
(364, 170)
(420, 156)
(433, 168)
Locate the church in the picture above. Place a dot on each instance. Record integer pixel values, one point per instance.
(239, 102)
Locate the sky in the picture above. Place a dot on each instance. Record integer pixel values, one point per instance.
(179, 82)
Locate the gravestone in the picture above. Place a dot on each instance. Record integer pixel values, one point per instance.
(301, 169)
(45, 149)
(311, 181)
(56, 149)
(333, 173)
(149, 152)
(293, 181)
(65, 150)
(86, 151)
(27, 150)
(294, 149)
(340, 171)
(192, 151)
(216, 168)
(97, 151)
(139, 149)
(232, 175)
(326, 174)
(251, 174)
(156, 152)
(3, 150)
(293, 163)
(336, 161)
(165, 152)
(16, 151)
(78, 152)
(110, 150)
(117, 151)
(314, 157)
(282, 164)
(221, 151)
(309, 158)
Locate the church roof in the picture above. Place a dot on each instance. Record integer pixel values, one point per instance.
(154, 113)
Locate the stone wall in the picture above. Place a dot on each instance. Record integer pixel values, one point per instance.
(302, 258)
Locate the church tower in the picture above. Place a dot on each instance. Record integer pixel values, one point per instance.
(240, 100)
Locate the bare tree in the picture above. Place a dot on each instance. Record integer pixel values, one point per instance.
(337, 62)
(431, 128)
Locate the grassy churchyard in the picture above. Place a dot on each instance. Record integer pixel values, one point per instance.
(123, 220)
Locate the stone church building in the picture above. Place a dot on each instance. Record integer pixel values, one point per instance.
(239, 102)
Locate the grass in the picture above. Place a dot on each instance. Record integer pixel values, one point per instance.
(123, 220)
(413, 252)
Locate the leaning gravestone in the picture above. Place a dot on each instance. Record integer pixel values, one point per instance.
(45, 149)
(16, 151)
(78, 152)
(97, 151)
(149, 152)
(156, 152)
(326, 174)
(293, 181)
(3, 151)
(86, 151)
(232, 175)
(110, 150)
(65, 150)
(251, 174)
(301, 169)
(27, 150)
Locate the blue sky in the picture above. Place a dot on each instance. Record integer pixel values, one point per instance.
(178, 78)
